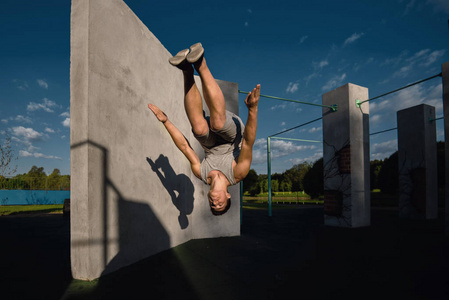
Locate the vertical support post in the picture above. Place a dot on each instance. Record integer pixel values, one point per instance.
(445, 72)
(269, 174)
(346, 158)
(417, 152)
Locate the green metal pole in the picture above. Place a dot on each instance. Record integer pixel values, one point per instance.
(269, 174)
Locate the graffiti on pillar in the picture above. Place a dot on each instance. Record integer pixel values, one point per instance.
(337, 183)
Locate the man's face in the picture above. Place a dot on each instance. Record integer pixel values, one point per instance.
(217, 200)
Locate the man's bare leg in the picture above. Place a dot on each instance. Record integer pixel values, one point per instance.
(193, 104)
(212, 95)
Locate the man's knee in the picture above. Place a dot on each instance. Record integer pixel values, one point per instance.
(217, 123)
(200, 129)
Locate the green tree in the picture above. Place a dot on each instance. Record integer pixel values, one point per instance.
(375, 167)
(296, 175)
(313, 180)
(389, 175)
(285, 186)
(250, 182)
(54, 180)
(36, 178)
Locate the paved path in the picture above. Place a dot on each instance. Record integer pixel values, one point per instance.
(289, 256)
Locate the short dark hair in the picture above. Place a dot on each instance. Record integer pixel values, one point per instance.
(219, 213)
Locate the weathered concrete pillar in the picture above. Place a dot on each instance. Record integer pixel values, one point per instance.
(417, 157)
(133, 192)
(346, 158)
(445, 71)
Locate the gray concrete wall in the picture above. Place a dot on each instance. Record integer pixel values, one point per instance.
(133, 193)
(417, 157)
(346, 158)
(445, 71)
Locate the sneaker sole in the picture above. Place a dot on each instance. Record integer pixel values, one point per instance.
(196, 52)
(179, 57)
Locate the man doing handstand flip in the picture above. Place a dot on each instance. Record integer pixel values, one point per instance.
(227, 143)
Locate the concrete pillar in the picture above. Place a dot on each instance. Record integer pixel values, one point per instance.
(417, 157)
(346, 158)
(445, 71)
(133, 192)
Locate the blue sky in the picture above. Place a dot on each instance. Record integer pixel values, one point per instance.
(294, 49)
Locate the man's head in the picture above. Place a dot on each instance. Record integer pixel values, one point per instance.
(219, 201)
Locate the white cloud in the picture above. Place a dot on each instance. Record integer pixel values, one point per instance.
(292, 87)
(24, 153)
(433, 57)
(20, 84)
(417, 94)
(42, 83)
(66, 122)
(315, 129)
(374, 118)
(27, 134)
(49, 130)
(23, 119)
(280, 106)
(65, 114)
(334, 82)
(303, 38)
(317, 155)
(354, 37)
(317, 68)
(383, 150)
(279, 148)
(395, 60)
(46, 105)
(422, 58)
(5, 121)
(323, 63)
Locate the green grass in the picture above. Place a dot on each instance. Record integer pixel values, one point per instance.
(20, 209)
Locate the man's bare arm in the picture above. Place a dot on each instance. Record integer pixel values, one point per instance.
(249, 136)
(179, 139)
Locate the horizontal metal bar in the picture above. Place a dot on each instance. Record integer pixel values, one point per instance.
(431, 120)
(299, 140)
(391, 129)
(332, 107)
(359, 103)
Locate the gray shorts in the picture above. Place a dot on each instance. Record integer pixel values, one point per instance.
(231, 131)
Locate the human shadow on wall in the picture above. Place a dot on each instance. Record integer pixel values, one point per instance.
(180, 187)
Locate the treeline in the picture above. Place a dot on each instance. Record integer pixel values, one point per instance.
(36, 179)
(384, 174)
(308, 177)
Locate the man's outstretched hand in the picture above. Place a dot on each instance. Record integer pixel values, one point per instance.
(160, 115)
(252, 100)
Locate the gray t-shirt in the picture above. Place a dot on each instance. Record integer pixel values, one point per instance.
(222, 147)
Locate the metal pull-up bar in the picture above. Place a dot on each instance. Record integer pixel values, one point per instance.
(359, 103)
(333, 107)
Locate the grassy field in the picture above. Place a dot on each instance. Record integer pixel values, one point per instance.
(283, 198)
(19, 209)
